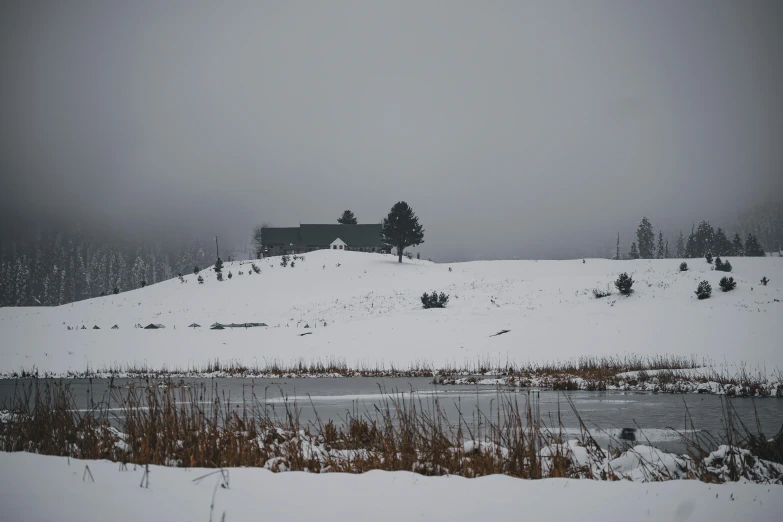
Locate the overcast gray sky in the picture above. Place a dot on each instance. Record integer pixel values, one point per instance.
(513, 129)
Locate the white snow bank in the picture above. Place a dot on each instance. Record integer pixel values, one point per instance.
(252, 494)
(372, 314)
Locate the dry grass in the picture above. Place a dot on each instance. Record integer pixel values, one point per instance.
(202, 427)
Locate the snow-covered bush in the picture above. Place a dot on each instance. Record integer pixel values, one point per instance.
(220, 276)
(284, 260)
(229, 274)
(434, 300)
(624, 283)
(255, 268)
(683, 267)
(727, 284)
(598, 293)
(720, 265)
(704, 290)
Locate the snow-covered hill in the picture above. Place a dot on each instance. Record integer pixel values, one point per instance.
(365, 309)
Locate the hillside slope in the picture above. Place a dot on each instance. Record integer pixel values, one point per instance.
(365, 309)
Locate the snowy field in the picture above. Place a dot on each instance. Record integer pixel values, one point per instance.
(364, 309)
(100, 490)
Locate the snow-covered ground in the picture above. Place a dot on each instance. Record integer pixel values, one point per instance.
(101, 490)
(364, 309)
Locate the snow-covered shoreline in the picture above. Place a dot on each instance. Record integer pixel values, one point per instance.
(101, 490)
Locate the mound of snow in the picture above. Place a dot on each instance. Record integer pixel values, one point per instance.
(365, 310)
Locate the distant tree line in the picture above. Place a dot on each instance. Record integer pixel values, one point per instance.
(703, 240)
(59, 268)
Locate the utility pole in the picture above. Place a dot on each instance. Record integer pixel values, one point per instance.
(217, 250)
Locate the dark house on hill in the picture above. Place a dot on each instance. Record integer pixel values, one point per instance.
(306, 238)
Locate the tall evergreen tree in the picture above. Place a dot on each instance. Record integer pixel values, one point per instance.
(739, 248)
(721, 244)
(82, 280)
(753, 248)
(401, 229)
(139, 271)
(617, 254)
(61, 293)
(347, 218)
(681, 246)
(71, 283)
(646, 238)
(22, 280)
(661, 250)
(704, 239)
(666, 250)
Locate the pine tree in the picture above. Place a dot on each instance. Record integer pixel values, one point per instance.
(617, 254)
(47, 298)
(61, 295)
(680, 246)
(347, 218)
(661, 251)
(721, 244)
(21, 281)
(37, 276)
(139, 272)
(633, 254)
(753, 248)
(704, 239)
(401, 229)
(690, 246)
(646, 238)
(82, 280)
(71, 296)
(123, 279)
(666, 250)
(739, 249)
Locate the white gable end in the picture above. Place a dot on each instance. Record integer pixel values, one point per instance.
(337, 244)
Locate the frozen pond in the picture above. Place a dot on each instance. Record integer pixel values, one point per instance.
(657, 417)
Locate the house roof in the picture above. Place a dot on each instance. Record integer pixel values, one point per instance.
(280, 235)
(324, 235)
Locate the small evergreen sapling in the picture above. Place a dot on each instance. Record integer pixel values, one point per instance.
(683, 267)
(220, 276)
(116, 290)
(434, 300)
(229, 274)
(727, 284)
(255, 268)
(624, 283)
(284, 260)
(708, 257)
(195, 270)
(200, 280)
(764, 280)
(704, 290)
(219, 266)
